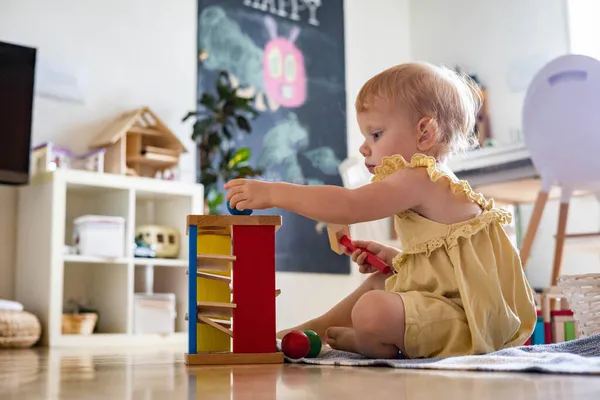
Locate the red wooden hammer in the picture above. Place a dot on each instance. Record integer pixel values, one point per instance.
(340, 234)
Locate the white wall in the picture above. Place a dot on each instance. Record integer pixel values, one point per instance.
(134, 53)
(503, 42)
(583, 27)
(377, 37)
(143, 52)
(8, 220)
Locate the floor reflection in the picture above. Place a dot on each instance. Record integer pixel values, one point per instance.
(153, 374)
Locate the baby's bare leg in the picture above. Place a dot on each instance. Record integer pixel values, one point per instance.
(378, 327)
(341, 313)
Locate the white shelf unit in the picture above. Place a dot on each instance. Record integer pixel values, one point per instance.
(46, 278)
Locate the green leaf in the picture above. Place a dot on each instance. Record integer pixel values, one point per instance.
(189, 115)
(229, 108)
(212, 195)
(201, 126)
(214, 139)
(216, 199)
(241, 155)
(249, 109)
(228, 154)
(224, 87)
(244, 172)
(227, 132)
(208, 179)
(213, 200)
(223, 78)
(213, 211)
(208, 101)
(243, 103)
(243, 124)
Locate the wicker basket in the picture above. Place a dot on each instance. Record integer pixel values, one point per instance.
(583, 294)
(19, 329)
(79, 324)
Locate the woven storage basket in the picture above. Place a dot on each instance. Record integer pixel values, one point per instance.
(19, 329)
(79, 324)
(583, 294)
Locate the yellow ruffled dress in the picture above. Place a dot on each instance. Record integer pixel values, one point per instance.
(463, 285)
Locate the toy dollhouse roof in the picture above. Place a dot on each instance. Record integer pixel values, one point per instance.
(141, 121)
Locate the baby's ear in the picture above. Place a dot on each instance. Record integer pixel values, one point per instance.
(426, 134)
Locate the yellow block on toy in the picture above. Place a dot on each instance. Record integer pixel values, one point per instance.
(209, 338)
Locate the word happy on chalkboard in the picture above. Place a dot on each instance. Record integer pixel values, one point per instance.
(288, 8)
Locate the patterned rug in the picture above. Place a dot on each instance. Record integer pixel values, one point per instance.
(581, 356)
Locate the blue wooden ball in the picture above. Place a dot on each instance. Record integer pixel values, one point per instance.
(235, 211)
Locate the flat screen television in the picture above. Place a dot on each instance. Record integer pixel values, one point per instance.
(17, 77)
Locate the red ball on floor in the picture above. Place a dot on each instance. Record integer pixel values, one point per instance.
(295, 344)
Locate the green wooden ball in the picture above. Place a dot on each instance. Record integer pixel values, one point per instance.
(315, 343)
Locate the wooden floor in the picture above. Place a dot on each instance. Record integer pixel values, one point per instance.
(160, 374)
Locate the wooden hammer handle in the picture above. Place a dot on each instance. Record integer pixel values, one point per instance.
(371, 259)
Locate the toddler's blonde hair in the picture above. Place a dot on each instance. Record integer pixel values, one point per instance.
(424, 90)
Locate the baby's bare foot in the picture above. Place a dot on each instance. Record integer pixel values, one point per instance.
(342, 339)
(315, 325)
(284, 332)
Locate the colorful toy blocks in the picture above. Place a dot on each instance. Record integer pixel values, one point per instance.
(555, 321)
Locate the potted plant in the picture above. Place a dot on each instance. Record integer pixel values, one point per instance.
(221, 117)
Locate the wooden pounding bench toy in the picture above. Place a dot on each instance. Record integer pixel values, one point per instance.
(340, 234)
(233, 319)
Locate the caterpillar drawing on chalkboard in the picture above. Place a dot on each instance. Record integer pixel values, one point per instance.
(275, 75)
(283, 67)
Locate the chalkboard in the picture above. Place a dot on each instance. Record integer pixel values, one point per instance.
(291, 55)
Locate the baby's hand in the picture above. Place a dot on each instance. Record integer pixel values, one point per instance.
(245, 194)
(360, 257)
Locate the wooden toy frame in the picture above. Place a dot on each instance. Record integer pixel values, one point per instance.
(247, 242)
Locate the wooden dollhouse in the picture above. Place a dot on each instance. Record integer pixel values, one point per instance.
(138, 143)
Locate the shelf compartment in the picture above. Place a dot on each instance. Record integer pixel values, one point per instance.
(153, 159)
(79, 259)
(160, 262)
(157, 262)
(100, 201)
(165, 279)
(90, 283)
(162, 210)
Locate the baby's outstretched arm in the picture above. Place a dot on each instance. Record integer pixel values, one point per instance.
(332, 204)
